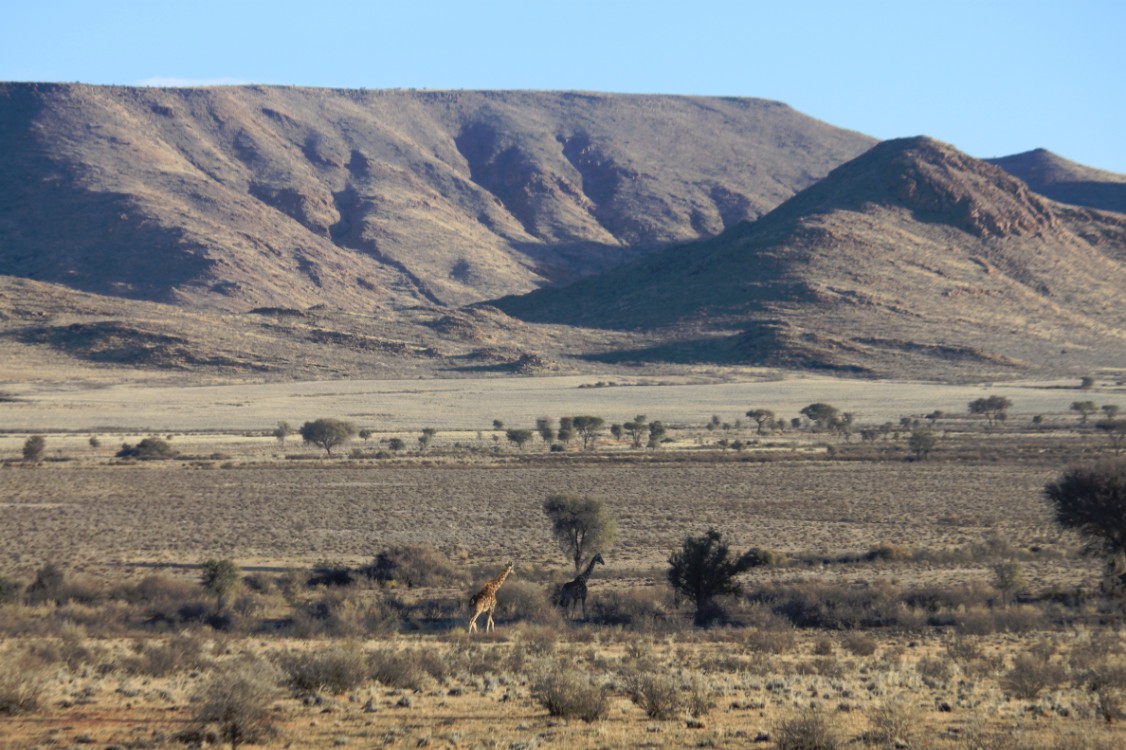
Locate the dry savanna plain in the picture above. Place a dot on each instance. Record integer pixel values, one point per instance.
(907, 598)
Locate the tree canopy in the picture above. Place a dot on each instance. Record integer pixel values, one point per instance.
(993, 407)
(582, 526)
(703, 569)
(327, 433)
(1092, 500)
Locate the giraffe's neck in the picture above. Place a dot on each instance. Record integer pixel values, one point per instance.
(494, 584)
(589, 569)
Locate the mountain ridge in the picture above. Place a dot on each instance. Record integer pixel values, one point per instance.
(911, 253)
(252, 196)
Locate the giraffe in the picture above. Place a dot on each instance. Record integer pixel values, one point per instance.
(575, 591)
(485, 600)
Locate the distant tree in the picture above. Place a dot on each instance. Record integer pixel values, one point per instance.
(704, 569)
(761, 418)
(94, 442)
(1038, 420)
(617, 431)
(588, 428)
(1085, 409)
(545, 426)
(1092, 501)
(795, 423)
(1115, 430)
(396, 444)
(149, 449)
(993, 407)
(498, 424)
(566, 431)
(656, 434)
(582, 526)
(519, 438)
(636, 429)
(1110, 410)
(365, 434)
(282, 431)
(934, 416)
(1086, 382)
(922, 442)
(33, 448)
(221, 579)
(820, 414)
(426, 437)
(327, 433)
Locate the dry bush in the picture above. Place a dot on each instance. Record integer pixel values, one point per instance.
(934, 668)
(646, 610)
(182, 652)
(338, 669)
(658, 694)
(836, 607)
(808, 730)
(237, 702)
(408, 669)
(777, 640)
(858, 643)
(566, 692)
(21, 683)
(346, 613)
(1031, 675)
(415, 565)
(527, 602)
(1020, 619)
(893, 723)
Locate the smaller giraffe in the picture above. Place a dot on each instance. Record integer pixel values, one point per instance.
(485, 600)
(575, 591)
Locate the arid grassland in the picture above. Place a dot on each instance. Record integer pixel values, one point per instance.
(906, 601)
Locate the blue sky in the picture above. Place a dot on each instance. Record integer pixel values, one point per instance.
(992, 78)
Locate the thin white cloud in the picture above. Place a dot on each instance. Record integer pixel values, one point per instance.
(174, 82)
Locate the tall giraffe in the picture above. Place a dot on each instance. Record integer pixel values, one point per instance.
(485, 600)
(575, 591)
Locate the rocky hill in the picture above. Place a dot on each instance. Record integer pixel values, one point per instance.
(243, 197)
(910, 259)
(1066, 181)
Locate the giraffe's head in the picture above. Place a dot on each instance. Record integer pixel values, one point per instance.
(511, 566)
(597, 559)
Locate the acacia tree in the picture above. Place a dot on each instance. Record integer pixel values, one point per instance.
(33, 448)
(656, 434)
(589, 428)
(519, 438)
(820, 414)
(1085, 409)
(1092, 500)
(281, 432)
(1115, 430)
(221, 579)
(703, 569)
(327, 433)
(761, 418)
(636, 430)
(922, 442)
(582, 526)
(546, 428)
(993, 407)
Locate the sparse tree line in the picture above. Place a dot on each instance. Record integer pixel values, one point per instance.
(585, 432)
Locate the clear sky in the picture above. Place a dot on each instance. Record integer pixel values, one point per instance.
(992, 77)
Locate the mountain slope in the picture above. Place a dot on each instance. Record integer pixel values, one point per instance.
(232, 198)
(912, 258)
(1066, 181)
